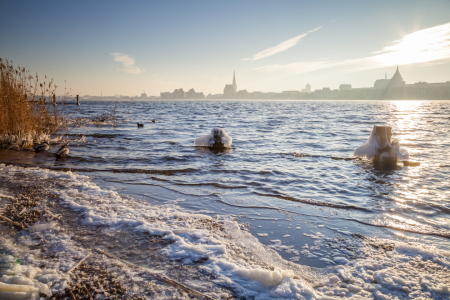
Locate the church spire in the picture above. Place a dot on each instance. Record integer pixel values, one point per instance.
(234, 81)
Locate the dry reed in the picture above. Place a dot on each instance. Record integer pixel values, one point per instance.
(27, 113)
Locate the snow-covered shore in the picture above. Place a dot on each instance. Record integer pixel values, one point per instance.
(214, 256)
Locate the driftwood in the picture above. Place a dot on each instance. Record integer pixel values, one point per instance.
(407, 163)
(161, 277)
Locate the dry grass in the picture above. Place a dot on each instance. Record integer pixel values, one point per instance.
(27, 113)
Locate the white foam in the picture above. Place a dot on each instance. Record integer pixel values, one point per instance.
(218, 247)
(236, 259)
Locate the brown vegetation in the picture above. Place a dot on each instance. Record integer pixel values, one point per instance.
(26, 117)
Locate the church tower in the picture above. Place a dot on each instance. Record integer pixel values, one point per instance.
(395, 87)
(234, 82)
(396, 81)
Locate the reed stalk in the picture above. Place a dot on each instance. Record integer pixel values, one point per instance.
(27, 115)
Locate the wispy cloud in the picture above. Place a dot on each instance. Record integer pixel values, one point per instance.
(423, 46)
(430, 45)
(127, 63)
(296, 67)
(283, 46)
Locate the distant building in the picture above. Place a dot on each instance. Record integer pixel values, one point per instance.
(307, 89)
(144, 95)
(395, 87)
(166, 95)
(381, 83)
(230, 90)
(181, 94)
(345, 87)
(242, 94)
(215, 96)
(396, 81)
(178, 94)
(191, 94)
(325, 93)
(256, 95)
(290, 95)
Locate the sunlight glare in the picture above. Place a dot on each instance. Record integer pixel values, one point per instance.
(430, 44)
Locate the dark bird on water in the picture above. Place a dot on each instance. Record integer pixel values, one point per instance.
(63, 151)
(41, 147)
(154, 120)
(140, 125)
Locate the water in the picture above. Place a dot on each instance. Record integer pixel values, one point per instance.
(286, 174)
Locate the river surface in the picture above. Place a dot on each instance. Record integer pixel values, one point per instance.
(289, 174)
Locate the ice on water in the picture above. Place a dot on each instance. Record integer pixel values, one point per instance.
(208, 140)
(373, 146)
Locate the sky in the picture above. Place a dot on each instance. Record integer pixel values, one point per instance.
(126, 47)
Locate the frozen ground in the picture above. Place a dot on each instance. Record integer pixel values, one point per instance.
(67, 217)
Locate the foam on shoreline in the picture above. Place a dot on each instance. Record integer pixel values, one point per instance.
(231, 257)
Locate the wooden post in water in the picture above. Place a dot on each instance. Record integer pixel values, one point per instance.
(54, 110)
(386, 156)
(78, 100)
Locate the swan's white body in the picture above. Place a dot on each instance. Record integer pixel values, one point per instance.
(217, 136)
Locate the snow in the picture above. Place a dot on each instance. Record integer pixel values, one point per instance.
(41, 227)
(340, 260)
(208, 140)
(374, 144)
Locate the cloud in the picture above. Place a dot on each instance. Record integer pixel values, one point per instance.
(127, 63)
(283, 46)
(423, 46)
(296, 67)
(430, 45)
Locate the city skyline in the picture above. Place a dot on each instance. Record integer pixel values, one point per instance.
(125, 48)
(394, 88)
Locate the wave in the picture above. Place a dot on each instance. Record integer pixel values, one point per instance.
(130, 171)
(314, 202)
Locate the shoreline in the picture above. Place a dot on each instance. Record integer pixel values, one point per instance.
(54, 255)
(192, 255)
(78, 242)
